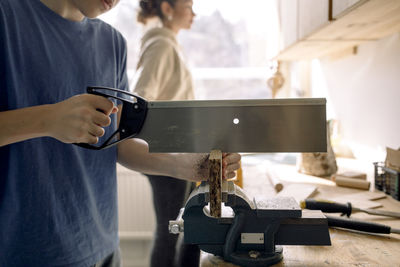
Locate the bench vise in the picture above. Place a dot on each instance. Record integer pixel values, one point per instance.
(249, 233)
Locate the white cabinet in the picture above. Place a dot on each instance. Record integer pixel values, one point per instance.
(288, 22)
(339, 6)
(299, 18)
(312, 15)
(308, 33)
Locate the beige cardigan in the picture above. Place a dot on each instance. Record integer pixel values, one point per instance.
(161, 71)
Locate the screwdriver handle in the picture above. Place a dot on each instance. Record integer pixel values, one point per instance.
(326, 206)
(358, 225)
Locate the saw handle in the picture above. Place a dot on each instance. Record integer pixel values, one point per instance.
(132, 116)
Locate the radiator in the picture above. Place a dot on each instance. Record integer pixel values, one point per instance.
(135, 205)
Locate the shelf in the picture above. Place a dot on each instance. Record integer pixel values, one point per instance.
(368, 20)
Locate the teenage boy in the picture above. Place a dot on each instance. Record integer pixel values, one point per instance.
(58, 203)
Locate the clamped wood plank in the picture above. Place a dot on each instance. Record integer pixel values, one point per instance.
(215, 182)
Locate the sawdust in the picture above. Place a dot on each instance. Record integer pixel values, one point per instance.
(202, 167)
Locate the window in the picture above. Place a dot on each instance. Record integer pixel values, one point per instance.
(228, 48)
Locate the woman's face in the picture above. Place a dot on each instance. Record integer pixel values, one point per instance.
(183, 14)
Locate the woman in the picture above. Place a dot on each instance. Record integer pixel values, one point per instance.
(163, 75)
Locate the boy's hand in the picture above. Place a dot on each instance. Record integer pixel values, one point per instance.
(230, 163)
(80, 119)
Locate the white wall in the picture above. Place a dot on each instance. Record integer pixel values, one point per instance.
(136, 217)
(363, 92)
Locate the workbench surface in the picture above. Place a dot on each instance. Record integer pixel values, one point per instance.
(349, 248)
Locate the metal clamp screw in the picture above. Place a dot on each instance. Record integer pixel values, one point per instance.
(254, 254)
(174, 229)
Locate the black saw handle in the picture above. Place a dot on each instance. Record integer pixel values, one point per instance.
(132, 119)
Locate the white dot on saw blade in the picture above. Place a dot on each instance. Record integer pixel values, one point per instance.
(236, 121)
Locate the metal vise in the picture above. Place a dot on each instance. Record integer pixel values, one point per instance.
(249, 232)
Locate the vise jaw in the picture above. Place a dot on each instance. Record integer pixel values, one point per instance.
(249, 233)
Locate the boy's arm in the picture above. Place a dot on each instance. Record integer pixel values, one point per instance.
(22, 124)
(134, 154)
(78, 119)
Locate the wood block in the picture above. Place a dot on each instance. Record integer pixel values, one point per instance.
(215, 182)
(351, 174)
(393, 159)
(353, 183)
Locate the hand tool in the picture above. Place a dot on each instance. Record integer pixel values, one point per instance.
(258, 125)
(250, 233)
(346, 209)
(361, 225)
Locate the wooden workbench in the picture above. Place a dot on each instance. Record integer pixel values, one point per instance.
(349, 248)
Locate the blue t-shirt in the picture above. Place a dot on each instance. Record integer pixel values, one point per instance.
(58, 202)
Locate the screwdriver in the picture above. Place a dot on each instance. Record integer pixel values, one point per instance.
(344, 208)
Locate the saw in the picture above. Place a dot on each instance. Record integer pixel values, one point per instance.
(256, 125)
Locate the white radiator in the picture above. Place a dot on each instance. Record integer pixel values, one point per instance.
(136, 213)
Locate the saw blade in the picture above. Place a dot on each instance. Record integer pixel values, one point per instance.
(267, 125)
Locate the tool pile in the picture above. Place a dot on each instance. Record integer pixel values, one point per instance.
(347, 209)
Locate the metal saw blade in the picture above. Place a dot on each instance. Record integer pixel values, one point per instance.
(267, 125)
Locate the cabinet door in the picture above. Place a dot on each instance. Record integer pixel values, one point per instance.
(313, 14)
(288, 21)
(339, 6)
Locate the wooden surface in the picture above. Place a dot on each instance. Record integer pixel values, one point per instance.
(349, 248)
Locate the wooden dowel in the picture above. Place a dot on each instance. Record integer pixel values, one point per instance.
(350, 182)
(274, 180)
(351, 175)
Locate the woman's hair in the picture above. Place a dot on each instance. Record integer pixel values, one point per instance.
(151, 8)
